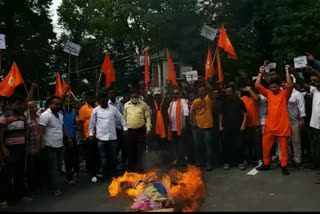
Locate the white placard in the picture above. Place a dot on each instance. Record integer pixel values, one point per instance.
(72, 48)
(2, 41)
(300, 62)
(191, 76)
(270, 66)
(186, 68)
(209, 32)
(140, 60)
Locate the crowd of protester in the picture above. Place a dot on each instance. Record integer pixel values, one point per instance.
(212, 125)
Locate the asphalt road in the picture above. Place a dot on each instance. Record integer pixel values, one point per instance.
(231, 190)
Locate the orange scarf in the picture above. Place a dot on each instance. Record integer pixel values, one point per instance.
(160, 129)
(178, 118)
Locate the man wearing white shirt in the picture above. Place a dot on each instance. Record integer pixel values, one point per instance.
(297, 113)
(178, 124)
(104, 119)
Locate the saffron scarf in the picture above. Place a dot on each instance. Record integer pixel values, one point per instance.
(160, 128)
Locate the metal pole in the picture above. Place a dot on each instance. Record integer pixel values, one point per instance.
(69, 81)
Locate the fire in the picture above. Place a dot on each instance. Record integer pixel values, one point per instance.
(186, 187)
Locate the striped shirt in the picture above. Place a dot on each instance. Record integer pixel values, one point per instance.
(15, 128)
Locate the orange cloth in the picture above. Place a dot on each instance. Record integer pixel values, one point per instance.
(171, 72)
(11, 81)
(277, 122)
(85, 115)
(65, 86)
(146, 68)
(220, 74)
(59, 90)
(267, 143)
(178, 118)
(202, 112)
(108, 70)
(252, 107)
(209, 72)
(224, 42)
(160, 128)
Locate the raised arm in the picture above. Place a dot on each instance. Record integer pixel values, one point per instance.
(258, 85)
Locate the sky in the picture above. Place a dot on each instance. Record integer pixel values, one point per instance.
(54, 16)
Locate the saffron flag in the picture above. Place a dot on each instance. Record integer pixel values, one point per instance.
(220, 74)
(171, 72)
(209, 72)
(108, 70)
(146, 68)
(65, 86)
(59, 89)
(224, 42)
(11, 81)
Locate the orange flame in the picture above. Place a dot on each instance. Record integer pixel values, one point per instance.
(184, 187)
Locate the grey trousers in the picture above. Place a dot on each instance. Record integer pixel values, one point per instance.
(294, 143)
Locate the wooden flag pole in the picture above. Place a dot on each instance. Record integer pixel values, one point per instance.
(98, 84)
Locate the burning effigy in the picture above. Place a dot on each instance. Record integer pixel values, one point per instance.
(154, 192)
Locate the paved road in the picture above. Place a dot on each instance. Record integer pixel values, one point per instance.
(226, 191)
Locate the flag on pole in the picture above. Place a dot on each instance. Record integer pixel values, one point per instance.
(171, 72)
(220, 74)
(59, 89)
(146, 68)
(209, 72)
(108, 70)
(65, 86)
(224, 42)
(11, 81)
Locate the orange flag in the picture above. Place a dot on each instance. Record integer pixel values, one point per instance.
(220, 74)
(146, 68)
(224, 42)
(108, 70)
(209, 66)
(171, 72)
(59, 89)
(11, 81)
(65, 86)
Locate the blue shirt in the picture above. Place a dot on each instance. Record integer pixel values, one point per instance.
(69, 121)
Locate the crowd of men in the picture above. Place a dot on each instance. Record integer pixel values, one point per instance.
(213, 125)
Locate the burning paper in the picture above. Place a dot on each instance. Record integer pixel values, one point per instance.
(154, 192)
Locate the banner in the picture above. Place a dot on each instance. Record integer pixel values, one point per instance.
(72, 48)
(209, 32)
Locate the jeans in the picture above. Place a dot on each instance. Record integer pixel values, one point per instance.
(108, 156)
(71, 160)
(253, 141)
(179, 145)
(15, 174)
(316, 148)
(91, 154)
(204, 144)
(54, 158)
(34, 172)
(136, 147)
(232, 146)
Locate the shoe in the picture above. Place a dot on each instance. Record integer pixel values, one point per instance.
(263, 167)
(94, 179)
(209, 168)
(298, 165)
(226, 167)
(3, 204)
(58, 192)
(27, 198)
(72, 182)
(76, 177)
(99, 176)
(285, 171)
(242, 166)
